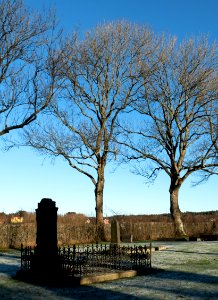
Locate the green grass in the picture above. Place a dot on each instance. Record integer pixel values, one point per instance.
(188, 270)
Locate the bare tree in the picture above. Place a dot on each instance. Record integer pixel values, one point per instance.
(26, 77)
(101, 81)
(178, 109)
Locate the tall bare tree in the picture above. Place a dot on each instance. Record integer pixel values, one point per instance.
(101, 81)
(178, 110)
(26, 77)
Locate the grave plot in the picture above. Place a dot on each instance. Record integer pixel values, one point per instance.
(79, 264)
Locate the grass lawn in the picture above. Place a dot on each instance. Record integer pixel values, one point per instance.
(185, 270)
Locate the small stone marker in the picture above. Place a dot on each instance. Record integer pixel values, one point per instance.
(127, 238)
(115, 232)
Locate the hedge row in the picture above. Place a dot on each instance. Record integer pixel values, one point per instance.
(12, 235)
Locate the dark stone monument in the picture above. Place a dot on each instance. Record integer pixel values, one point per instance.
(46, 235)
(115, 232)
(45, 259)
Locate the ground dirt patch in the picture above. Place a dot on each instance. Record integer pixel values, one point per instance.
(184, 270)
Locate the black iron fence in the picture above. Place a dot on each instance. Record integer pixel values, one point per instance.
(27, 254)
(81, 260)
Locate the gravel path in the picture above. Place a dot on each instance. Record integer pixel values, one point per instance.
(185, 270)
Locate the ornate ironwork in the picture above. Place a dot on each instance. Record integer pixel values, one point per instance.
(82, 260)
(27, 254)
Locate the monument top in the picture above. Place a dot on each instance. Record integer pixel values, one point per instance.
(46, 203)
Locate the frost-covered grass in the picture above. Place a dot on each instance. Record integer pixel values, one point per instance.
(185, 270)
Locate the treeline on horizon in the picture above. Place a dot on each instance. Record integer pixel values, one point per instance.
(80, 219)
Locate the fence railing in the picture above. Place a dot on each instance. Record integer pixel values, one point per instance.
(27, 254)
(81, 260)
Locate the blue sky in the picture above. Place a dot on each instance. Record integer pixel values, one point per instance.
(27, 177)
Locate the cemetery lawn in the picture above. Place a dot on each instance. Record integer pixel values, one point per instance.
(184, 270)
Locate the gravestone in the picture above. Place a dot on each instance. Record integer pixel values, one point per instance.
(115, 232)
(45, 259)
(127, 238)
(46, 235)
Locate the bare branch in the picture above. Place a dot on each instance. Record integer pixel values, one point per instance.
(26, 79)
(101, 80)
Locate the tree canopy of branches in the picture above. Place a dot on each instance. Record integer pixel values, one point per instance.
(101, 73)
(26, 65)
(179, 112)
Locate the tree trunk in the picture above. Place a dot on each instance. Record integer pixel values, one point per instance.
(99, 190)
(175, 212)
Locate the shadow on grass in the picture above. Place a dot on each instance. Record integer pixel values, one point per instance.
(13, 288)
(186, 276)
(9, 256)
(162, 284)
(179, 284)
(18, 290)
(191, 252)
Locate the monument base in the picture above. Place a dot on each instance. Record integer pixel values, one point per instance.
(61, 280)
